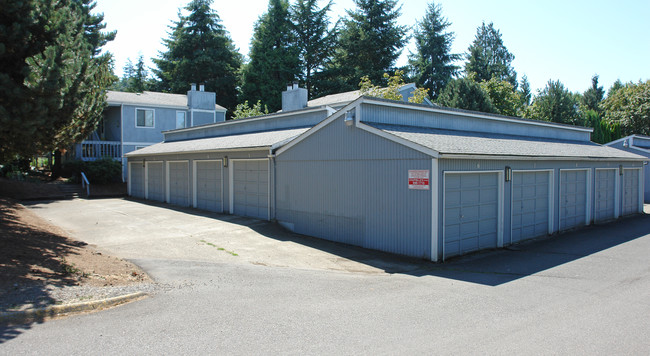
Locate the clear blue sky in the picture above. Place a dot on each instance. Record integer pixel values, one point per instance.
(566, 40)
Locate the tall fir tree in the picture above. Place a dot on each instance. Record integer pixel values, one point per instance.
(524, 91)
(315, 37)
(592, 97)
(52, 75)
(370, 42)
(273, 57)
(135, 77)
(432, 64)
(199, 50)
(488, 57)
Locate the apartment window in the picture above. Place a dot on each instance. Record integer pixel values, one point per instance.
(144, 118)
(180, 119)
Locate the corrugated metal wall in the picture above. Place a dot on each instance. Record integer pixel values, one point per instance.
(347, 185)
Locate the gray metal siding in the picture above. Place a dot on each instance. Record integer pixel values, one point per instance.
(630, 192)
(155, 181)
(178, 185)
(573, 198)
(347, 185)
(471, 215)
(202, 118)
(605, 195)
(248, 126)
(530, 205)
(137, 180)
(209, 185)
(398, 116)
(251, 188)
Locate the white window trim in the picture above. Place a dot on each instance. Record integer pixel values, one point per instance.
(136, 118)
(184, 119)
(551, 195)
(435, 203)
(167, 185)
(587, 193)
(500, 204)
(195, 180)
(231, 183)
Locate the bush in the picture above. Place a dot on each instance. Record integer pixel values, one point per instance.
(102, 171)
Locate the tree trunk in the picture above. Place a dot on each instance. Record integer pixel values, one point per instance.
(56, 168)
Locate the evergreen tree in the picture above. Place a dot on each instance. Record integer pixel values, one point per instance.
(503, 96)
(432, 64)
(370, 41)
(488, 57)
(199, 50)
(135, 78)
(52, 76)
(273, 57)
(616, 86)
(465, 93)
(524, 91)
(593, 96)
(555, 103)
(315, 39)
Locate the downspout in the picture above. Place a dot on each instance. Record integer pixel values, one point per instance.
(272, 184)
(122, 142)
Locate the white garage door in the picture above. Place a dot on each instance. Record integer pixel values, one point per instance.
(605, 195)
(178, 185)
(250, 188)
(155, 187)
(471, 212)
(136, 177)
(631, 198)
(573, 198)
(208, 185)
(530, 205)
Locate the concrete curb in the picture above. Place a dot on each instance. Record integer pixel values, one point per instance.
(54, 310)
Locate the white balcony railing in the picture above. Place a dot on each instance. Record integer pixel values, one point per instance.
(93, 150)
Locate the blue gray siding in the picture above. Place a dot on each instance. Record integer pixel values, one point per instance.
(644, 144)
(344, 184)
(424, 118)
(276, 122)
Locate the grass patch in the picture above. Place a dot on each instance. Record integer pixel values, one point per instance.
(219, 248)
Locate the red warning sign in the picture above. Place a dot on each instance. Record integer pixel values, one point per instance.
(419, 179)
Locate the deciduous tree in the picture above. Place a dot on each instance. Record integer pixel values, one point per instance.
(630, 106)
(557, 104)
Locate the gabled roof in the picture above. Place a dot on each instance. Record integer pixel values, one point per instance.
(452, 143)
(257, 140)
(151, 98)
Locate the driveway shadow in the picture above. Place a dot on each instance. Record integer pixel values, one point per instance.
(492, 267)
(29, 256)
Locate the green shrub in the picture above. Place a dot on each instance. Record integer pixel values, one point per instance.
(102, 171)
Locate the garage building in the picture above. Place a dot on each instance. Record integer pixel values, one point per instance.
(410, 179)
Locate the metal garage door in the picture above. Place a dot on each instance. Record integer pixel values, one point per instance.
(178, 185)
(605, 195)
(530, 205)
(573, 198)
(630, 191)
(251, 188)
(208, 185)
(155, 187)
(136, 175)
(471, 212)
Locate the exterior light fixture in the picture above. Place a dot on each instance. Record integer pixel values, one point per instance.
(508, 174)
(143, 160)
(225, 161)
(626, 144)
(349, 118)
(620, 170)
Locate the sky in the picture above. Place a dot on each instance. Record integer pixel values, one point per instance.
(566, 40)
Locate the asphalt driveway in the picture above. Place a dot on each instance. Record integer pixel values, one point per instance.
(586, 292)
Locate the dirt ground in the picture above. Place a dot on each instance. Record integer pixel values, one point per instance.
(34, 252)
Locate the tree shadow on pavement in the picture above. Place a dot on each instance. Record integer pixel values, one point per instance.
(30, 260)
